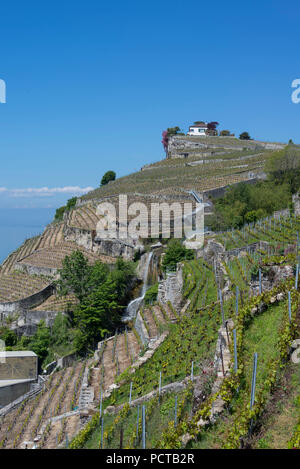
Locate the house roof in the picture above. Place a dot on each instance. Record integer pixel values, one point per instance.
(202, 126)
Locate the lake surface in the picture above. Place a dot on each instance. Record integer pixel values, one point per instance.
(16, 225)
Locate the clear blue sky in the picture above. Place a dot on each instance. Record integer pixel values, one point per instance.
(91, 85)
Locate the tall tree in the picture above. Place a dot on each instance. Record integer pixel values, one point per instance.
(107, 177)
(74, 275)
(97, 315)
(212, 128)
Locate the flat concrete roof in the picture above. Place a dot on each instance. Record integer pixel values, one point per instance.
(11, 382)
(18, 353)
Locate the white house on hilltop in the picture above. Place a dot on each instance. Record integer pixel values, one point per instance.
(198, 129)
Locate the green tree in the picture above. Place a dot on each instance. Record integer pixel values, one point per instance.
(8, 336)
(41, 341)
(108, 176)
(175, 253)
(284, 167)
(98, 274)
(60, 213)
(245, 136)
(247, 203)
(75, 275)
(71, 203)
(225, 133)
(66, 208)
(98, 314)
(122, 275)
(173, 131)
(60, 331)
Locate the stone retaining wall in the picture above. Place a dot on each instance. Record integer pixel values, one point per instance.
(27, 303)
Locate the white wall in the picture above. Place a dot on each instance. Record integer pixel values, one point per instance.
(197, 131)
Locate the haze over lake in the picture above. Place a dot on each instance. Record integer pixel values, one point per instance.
(18, 224)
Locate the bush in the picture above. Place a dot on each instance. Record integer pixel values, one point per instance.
(60, 213)
(175, 253)
(151, 294)
(245, 136)
(61, 210)
(225, 133)
(283, 167)
(108, 176)
(244, 203)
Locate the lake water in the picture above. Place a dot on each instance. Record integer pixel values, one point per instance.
(16, 225)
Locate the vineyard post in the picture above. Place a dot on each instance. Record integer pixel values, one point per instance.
(101, 441)
(235, 351)
(227, 334)
(253, 385)
(130, 393)
(144, 427)
(260, 284)
(121, 437)
(159, 386)
(221, 304)
(297, 275)
(137, 425)
(222, 361)
(100, 410)
(175, 414)
(290, 306)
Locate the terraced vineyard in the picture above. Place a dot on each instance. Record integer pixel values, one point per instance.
(185, 356)
(59, 394)
(51, 236)
(263, 327)
(18, 285)
(52, 257)
(56, 303)
(186, 372)
(165, 176)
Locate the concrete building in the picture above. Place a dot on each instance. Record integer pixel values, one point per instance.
(18, 371)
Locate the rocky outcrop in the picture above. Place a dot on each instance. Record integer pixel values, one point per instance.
(115, 248)
(170, 289)
(27, 322)
(272, 275)
(27, 303)
(180, 146)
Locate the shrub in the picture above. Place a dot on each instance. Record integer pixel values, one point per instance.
(151, 294)
(108, 176)
(175, 253)
(245, 136)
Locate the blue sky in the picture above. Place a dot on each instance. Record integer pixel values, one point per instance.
(91, 85)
